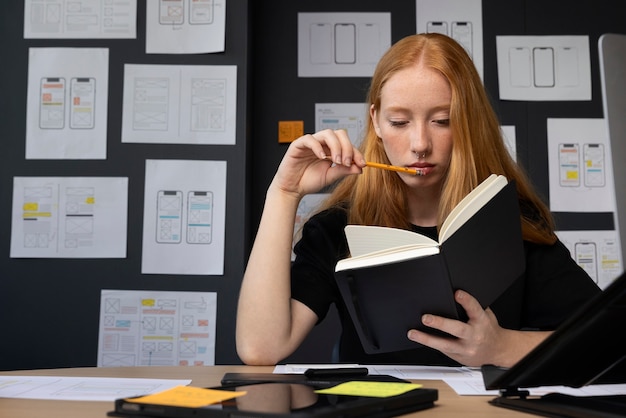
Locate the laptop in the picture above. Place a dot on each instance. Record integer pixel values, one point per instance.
(588, 348)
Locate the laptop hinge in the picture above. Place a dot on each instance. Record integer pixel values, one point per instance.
(514, 392)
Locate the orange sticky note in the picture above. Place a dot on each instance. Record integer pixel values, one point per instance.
(187, 396)
(290, 130)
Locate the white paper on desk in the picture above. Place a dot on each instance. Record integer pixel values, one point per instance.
(399, 371)
(69, 217)
(474, 385)
(184, 217)
(60, 388)
(45, 19)
(180, 104)
(156, 328)
(67, 103)
(185, 27)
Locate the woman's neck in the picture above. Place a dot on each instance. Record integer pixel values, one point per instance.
(423, 207)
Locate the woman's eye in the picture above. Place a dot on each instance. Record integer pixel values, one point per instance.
(442, 122)
(397, 122)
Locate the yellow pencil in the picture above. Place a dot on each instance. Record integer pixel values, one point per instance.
(394, 168)
(389, 167)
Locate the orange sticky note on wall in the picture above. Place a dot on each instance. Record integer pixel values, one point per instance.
(290, 130)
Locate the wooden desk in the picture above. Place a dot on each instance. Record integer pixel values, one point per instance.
(449, 405)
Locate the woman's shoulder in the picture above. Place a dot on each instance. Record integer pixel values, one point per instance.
(334, 218)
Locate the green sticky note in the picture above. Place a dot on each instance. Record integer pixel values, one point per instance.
(370, 388)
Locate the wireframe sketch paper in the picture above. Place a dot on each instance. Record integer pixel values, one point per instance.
(80, 20)
(156, 328)
(185, 26)
(67, 103)
(69, 217)
(180, 104)
(184, 217)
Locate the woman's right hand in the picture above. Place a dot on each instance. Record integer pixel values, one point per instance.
(314, 161)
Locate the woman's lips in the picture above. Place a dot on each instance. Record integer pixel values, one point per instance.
(422, 168)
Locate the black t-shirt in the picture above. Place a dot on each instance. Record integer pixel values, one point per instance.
(551, 289)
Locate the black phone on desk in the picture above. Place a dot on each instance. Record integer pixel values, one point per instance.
(271, 399)
(316, 377)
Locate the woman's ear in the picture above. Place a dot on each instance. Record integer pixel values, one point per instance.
(375, 121)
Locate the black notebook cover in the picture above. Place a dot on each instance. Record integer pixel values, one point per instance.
(586, 349)
(484, 257)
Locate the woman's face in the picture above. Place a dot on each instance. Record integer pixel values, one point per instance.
(414, 124)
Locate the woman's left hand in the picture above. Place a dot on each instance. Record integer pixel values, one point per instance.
(479, 341)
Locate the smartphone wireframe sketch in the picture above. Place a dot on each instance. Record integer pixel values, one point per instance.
(519, 66)
(82, 102)
(169, 216)
(437, 27)
(569, 165)
(345, 43)
(52, 103)
(171, 12)
(199, 217)
(543, 66)
(587, 257)
(201, 12)
(566, 66)
(593, 157)
(367, 43)
(321, 43)
(462, 33)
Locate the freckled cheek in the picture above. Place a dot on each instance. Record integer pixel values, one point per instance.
(395, 147)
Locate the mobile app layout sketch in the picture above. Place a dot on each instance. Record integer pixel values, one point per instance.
(208, 105)
(82, 102)
(345, 43)
(520, 72)
(52, 103)
(155, 328)
(83, 19)
(543, 66)
(341, 44)
(462, 33)
(151, 103)
(338, 43)
(566, 66)
(569, 165)
(39, 216)
(586, 257)
(593, 155)
(199, 217)
(321, 41)
(437, 27)
(79, 216)
(169, 216)
(201, 12)
(171, 12)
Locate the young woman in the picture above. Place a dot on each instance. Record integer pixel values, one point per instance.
(428, 111)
